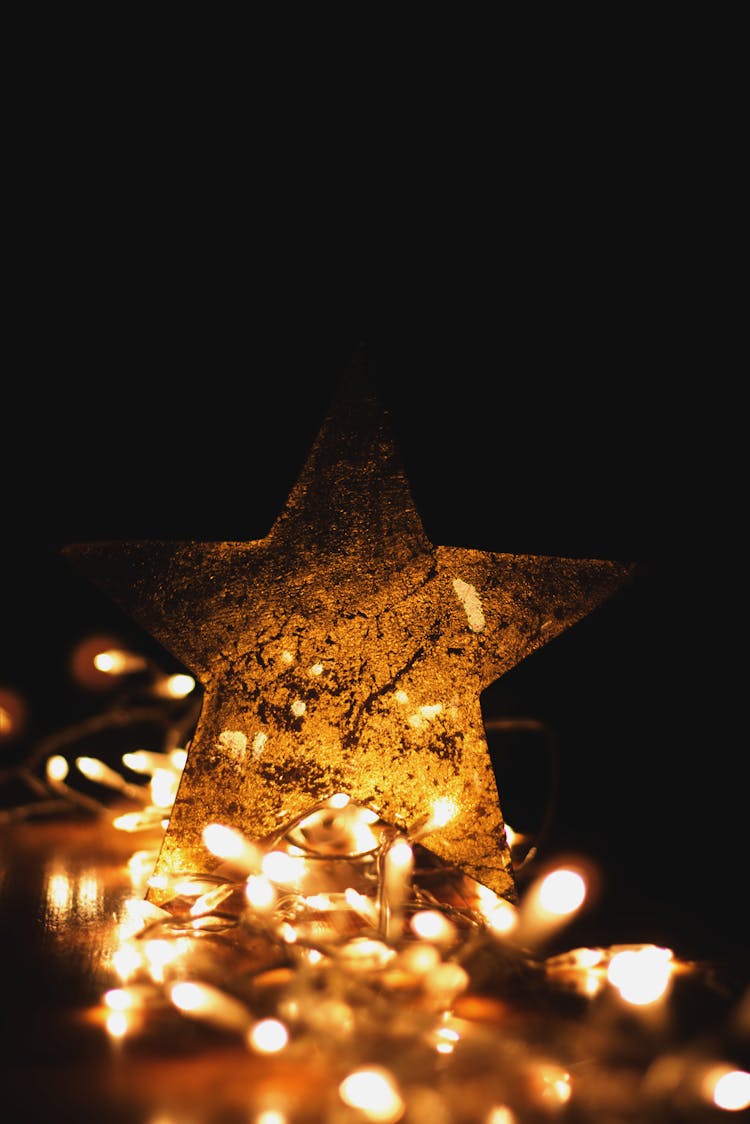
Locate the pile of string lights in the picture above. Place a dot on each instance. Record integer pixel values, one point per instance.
(343, 949)
(376, 983)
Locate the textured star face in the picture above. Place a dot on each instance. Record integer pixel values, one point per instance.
(345, 653)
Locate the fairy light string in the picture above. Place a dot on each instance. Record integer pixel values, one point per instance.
(342, 936)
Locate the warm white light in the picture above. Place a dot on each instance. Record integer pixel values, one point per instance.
(728, 1089)
(115, 661)
(365, 954)
(338, 800)
(298, 708)
(92, 768)
(268, 1036)
(500, 1115)
(224, 842)
(57, 768)
(316, 669)
(400, 855)
(179, 686)
(134, 821)
(555, 1084)
(562, 892)
(158, 954)
(118, 999)
(211, 900)
(126, 960)
(280, 867)
(163, 787)
(260, 892)
(143, 761)
(188, 996)
(178, 757)
(443, 811)
(270, 1116)
(106, 661)
(446, 982)
(641, 975)
(117, 1023)
(447, 1038)
(374, 1093)
(420, 959)
(431, 925)
(502, 918)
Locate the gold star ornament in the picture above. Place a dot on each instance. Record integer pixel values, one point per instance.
(344, 653)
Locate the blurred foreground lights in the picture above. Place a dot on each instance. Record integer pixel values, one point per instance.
(269, 1036)
(57, 768)
(500, 1115)
(562, 892)
(641, 975)
(12, 714)
(431, 925)
(727, 1088)
(118, 661)
(374, 1093)
(550, 903)
(118, 1024)
(177, 686)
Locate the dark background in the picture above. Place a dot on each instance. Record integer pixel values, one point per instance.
(547, 323)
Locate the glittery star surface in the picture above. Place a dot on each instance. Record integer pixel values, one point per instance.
(344, 652)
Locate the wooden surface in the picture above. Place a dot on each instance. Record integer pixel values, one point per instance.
(62, 890)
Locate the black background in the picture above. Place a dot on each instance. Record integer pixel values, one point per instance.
(549, 339)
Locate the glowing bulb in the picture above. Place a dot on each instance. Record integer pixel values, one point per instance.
(443, 811)
(158, 954)
(555, 1084)
(222, 841)
(316, 669)
(728, 1089)
(118, 999)
(163, 787)
(92, 768)
(179, 686)
(280, 867)
(57, 768)
(268, 1036)
(338, 800)
(432, 926)
(178, 757)
(562, 892)
(641, 975)
(499, 1114)
(227, 843)
(187, 996)
(374, 1093)
(126, 960)
(400, 855)
(270, 1116)
(116, 661)
(260, 892)
(143, 761)
(503, 918)
(446, 982)
(117, 1024)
